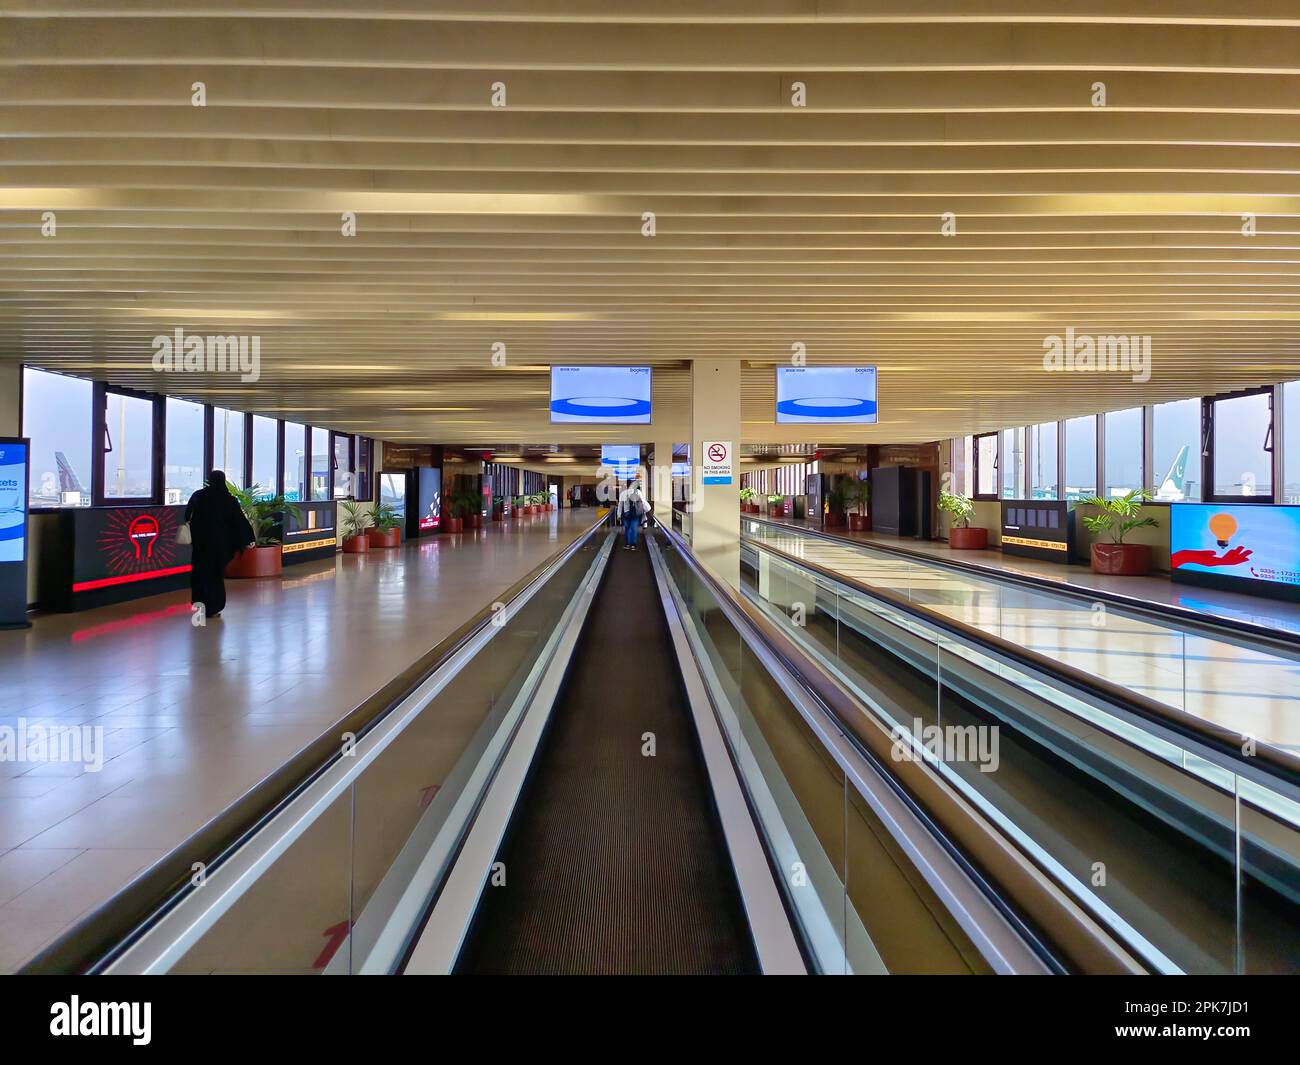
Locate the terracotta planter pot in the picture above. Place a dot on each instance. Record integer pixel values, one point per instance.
(385, 537)
(775, 510)
(859, 523)
(356, 545)
(474, 520)
(968, 539)
(497, 514)
(455, 525)
(834, 520)
(255, 562)
(1121, 560)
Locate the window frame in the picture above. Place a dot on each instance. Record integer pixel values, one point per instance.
(1208, 445)
(99, 451)
(975, 476)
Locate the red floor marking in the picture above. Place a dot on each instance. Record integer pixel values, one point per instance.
(338, 934)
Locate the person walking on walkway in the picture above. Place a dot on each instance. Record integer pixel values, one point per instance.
(218, 529)
(631, 506)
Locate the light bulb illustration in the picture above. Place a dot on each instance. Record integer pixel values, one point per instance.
(1223, 526)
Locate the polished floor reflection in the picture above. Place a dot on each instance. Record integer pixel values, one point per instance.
(192, 717)
(1246, 689)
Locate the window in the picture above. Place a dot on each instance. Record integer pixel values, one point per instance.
(986, 466)
(1291, 443)
(343, 486)
(228, 444)
(1011, 463)
(1042, 456)
(128, 447)
(183, 472)
(1175, 472)
(1242, 428)
(1081, 457)
(56, 418)
(365, 467)
(1124, 450)
(963, 465)
(321, 461)
(265, 456)
(294, 462)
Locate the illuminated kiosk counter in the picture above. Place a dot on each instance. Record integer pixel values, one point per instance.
(1252, 548)
(95, 556)
(1038, 528)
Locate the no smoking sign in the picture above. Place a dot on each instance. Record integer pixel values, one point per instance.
(717, 462)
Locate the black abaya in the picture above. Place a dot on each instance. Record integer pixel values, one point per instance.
(218, 529)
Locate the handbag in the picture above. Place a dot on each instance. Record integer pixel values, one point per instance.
(183, 533)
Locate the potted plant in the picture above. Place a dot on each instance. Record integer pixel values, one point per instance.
(835, 500)
(520, 507)
(355, 541)
(498, 507)
(747, 504)
(961, 537)
(474, 511)
(385, 526)
(266, 515)
(776, 505)
(857, 493)
(461, 506)
(1119, 515)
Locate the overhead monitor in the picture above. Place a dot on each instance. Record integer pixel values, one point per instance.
(622, 459)
(603, 395)
(826, 395)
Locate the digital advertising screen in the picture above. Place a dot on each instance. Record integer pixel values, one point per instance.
(1250, 547)
(128, 550)
(13, 501)
(429, 481)
(829, 395)
(14, 455)
(604, 395)
(622, 459)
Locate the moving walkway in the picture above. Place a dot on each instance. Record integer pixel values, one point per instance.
(1181, 836)
(623, 766)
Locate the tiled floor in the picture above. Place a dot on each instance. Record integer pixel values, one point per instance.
(1249, 690)
(193, 717)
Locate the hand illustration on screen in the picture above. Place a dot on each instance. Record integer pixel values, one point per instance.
(1206, 557)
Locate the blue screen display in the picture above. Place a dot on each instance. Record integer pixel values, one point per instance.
(1252, 542)
(623, 459)
(831, 395)
(605, 395)
(13, 502)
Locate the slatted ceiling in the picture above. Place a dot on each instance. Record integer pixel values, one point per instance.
(775, 224)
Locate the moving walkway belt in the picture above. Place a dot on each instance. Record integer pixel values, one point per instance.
(614, 860)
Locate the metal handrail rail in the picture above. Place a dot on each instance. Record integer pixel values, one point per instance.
(1274, 761)
(103, 934)
(1037, 899)
(1207, 627)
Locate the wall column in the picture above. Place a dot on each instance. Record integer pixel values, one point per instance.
(715, 508)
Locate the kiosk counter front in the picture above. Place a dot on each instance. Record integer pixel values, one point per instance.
(95, 556)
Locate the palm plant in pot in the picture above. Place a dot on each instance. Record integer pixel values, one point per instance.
(385, 526)
(498, 507)
(857, 494)
(961, 537)
(356, 519)
(460, 506)
(266, 514)
(776, 505)
(520, 507)
(1118, 516)
(835, 500)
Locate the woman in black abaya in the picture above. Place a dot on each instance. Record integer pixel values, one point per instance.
(218, 529)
